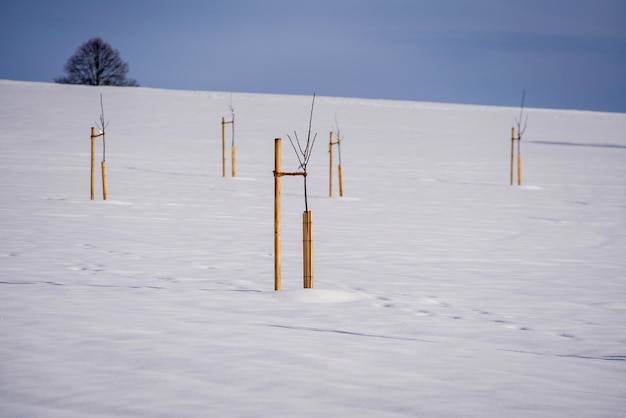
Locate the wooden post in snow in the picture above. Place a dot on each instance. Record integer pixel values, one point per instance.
(93, 169)
(519, 161)
(307, 248)
(105, 189)
(519, 157)
(277, 209)
(93, 159)
(223, 147)
(233, 164)
(340, 180)
(277, 223)
(330, 175)
(232, 148)
(512, 152)
(330, 166)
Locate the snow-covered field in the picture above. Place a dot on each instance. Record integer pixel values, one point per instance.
(440, 290)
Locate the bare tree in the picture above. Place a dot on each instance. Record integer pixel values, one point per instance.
(304, 154)
(95, 63)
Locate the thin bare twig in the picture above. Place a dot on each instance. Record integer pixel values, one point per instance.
(232, 114)
(301, 164)
(102, 126)
(338, 135)
(304, 154)
(520, 130)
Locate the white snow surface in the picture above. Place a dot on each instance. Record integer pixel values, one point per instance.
(440, 290)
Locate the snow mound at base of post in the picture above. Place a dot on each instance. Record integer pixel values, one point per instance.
(317, 296)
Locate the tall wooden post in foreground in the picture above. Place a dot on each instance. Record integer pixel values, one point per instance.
(277, 213)
(103, 165)
(307, 230)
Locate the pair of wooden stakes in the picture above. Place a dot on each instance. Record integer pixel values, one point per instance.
(307, 225)
(307, 216)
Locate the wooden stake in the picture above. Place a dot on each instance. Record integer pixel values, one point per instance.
(519, 168)
(330, 166)
(330, 175)
(277, 210)
(277, 213)
(223, 148)
(93, 160)
(307, 248)
(340, 180)
(232, 150)
(512, 152)
(105, 192)
(93, 164)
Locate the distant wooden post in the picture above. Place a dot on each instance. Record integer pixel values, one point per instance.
(223, 147)
(330, 175)
(330, 166)
(340, 180)
(512, 152)
(232, 148)
(233, 165)
(339, 165)
(519, 161)
(520, 132)
(519, 157)
(93, 158)
(307, 232)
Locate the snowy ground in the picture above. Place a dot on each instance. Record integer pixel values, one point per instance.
(440, 290)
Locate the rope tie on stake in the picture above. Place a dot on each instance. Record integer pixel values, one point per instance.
(297, 173)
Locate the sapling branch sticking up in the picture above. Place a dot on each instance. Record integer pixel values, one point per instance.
(518, 121)
(232, 114)
(338, 136)
(520, 132)
(304, 154)
(102, 126)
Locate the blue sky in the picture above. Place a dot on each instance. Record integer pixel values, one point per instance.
(568, 54)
